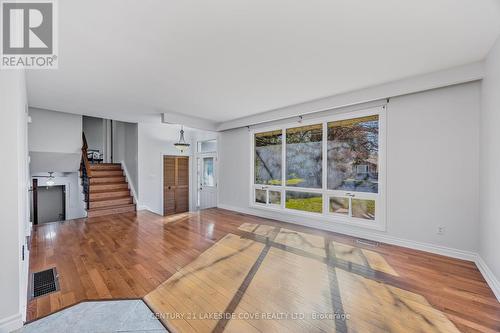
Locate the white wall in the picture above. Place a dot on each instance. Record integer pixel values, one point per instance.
(54, 141)
(432, 160)
(94, 132)
(125, 149)
(57, 132)
(490, 166)
(55, 162)
(14, 225)
(155, 141)
(432, 171)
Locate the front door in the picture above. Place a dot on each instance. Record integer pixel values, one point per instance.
(207, 180)
(175, 184)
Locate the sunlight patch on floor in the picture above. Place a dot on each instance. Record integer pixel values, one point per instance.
(284, 280)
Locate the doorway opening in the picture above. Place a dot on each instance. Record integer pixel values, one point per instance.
(207, 189)
(49, 203)
(206, 175)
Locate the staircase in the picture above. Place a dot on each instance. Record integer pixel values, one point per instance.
(108, 191)
(104, 186)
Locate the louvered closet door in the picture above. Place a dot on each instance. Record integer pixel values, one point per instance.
(168, 185)
(175, 184)
(182, 187)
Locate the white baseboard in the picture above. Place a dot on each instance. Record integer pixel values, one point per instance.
(367, 234)
(130, 185)
(143, 207)
(489, 276)
(11, 323)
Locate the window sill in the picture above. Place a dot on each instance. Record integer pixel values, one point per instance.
(322, 217)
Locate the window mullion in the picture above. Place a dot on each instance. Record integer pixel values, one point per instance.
(324, 162)
(283, 167)
(350, 207)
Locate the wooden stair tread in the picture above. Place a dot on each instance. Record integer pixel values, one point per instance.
(110, 182)
(112, 207)
(106, 168)
(125, 195)
(108, 195)
(105, 165)
(123, 189)
(99, 188)
(111, 210)
(94, 164)
(104, 208)
(106, 180)
(116, 202)
(117, 183)
(106, 173)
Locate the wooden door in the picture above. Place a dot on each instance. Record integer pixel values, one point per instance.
(182, 186)
(175, 184)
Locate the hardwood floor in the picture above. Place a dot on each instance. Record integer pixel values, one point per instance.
(217, 270)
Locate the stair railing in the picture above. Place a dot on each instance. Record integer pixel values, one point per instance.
(85, 171)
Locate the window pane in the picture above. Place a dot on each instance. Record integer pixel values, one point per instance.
(353, 154)
(304, 156)
(268, 147)
(339, 205)
(364, 209)
(275, 197)
(260, 196)
(208, 171)
(308, 202)
(207, 146)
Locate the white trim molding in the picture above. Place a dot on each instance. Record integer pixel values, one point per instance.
(144, 207)
(81, 198)
(448, 77)
(130, 185)
(11, 323)
(189, 121)
(488, 276)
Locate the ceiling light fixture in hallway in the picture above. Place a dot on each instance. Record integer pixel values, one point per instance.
(182, 145)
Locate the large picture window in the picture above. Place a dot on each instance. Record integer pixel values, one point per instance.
(353, 154)
(304, 156)
(267, 159)
(328, 168)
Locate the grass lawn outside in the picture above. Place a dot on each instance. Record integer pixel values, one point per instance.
(314, 204)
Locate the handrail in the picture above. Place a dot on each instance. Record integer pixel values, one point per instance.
(86, 171)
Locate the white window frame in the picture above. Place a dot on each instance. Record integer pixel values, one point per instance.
(379, 223)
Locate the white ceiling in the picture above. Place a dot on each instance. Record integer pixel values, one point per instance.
(226, 59)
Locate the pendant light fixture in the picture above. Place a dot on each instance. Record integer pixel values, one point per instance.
(50, 181)
(182, 145)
